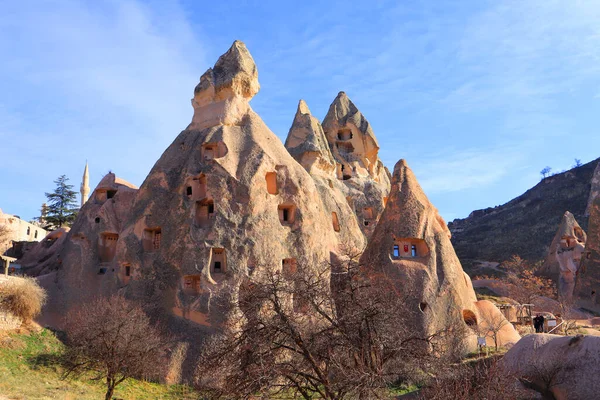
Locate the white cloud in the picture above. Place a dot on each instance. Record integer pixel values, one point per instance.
(457, 170)
(109, 82)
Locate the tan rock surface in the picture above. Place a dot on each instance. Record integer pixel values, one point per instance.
(44, 256)
(564, 255)
(587, 286)
(594, 190)
(306, 142)
(355, 150)
(572, 364)
(87, 254)
(411, 245)
(225, 201)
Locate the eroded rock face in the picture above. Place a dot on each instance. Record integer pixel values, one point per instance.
(565, 366)
(594, 190)
(411, 245)
(89, 251)
(221, 97)
(44, 256)
(564, 255)
(355, 150)
(588, 277)
(224, 202)
(306, 142)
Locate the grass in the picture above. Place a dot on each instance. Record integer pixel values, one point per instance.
(28, 371)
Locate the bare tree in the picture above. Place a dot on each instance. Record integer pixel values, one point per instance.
(114, 339)
(483, 379)
(491, 323)
(522, 281)
(567, 315)
(303, 338)
(545, 172)
(577, 163)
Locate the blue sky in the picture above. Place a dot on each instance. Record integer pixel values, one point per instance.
(478, 96)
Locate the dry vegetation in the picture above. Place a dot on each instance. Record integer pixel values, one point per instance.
(522, 282)
(22, 297)
(113, 339)
(302, 341)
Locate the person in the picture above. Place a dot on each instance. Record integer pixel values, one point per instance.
(538, 323)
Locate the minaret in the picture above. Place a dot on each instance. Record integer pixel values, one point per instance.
(85, 185)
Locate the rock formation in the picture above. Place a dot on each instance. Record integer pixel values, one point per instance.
(411, 245)
(306, 142)
(225, 201)
(594, 189)
(565, 255)
(588, 277)
(565, 367)
(525, 225)
(44, 256)
(355, 150)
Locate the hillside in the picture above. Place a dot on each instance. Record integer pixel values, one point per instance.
(526, 224)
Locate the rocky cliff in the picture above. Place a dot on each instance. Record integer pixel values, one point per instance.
(527, 224)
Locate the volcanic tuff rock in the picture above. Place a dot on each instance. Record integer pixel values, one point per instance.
(565, 254)
(44, 256)
(89, 252)
(355, 149)
(594, 190)
(225, 201)
(588, 277)
(565, 366)
(526, 224)
(306, 142)
(411, 245)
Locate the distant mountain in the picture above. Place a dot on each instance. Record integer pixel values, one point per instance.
(526, 224)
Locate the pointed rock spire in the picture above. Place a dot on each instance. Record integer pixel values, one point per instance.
(594, 190)
(343, 113)
(411, 245)
(355, 150)
(588, 275)
(306, 142)
(565, 253)
(221, 97)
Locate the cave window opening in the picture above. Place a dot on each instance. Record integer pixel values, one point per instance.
(287, 214)
(218, 260)
(271, 178)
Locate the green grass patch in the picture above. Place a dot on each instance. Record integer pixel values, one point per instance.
(29, 369)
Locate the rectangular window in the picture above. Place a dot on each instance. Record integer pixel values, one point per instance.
(286, 213)
(217, 266)
(127, 270)
(396, 250)
(413, 250)
(189, 190)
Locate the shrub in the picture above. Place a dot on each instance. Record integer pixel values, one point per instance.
(113, 339)
(22, 297)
